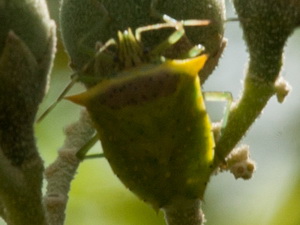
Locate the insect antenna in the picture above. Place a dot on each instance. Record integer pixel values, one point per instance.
(60, 97)
(75, 78)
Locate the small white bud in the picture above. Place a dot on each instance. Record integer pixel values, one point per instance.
(282, 89)
(240, 164)
(243, 169)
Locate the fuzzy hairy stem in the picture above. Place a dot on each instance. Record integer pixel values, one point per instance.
(266, 30)
(187, 212)
(21, 192)
(23, 80)
(255, 96)
(61, 172)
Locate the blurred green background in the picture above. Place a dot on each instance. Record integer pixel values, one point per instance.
(271, 197)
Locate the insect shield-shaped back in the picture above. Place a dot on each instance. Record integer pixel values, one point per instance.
(154, 129)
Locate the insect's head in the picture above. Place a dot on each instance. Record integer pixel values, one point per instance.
(128, 51)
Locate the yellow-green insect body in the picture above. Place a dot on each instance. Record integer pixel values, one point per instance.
(154, 129)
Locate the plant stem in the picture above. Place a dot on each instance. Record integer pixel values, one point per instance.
(255, 96)
(61, 172)
(187, 212)
(20, 191)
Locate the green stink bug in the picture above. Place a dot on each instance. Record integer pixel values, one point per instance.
(152, 122)
(154, 129)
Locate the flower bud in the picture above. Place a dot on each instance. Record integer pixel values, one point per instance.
(30, 21)
(267, 25)
(27, 46)
(240, 164)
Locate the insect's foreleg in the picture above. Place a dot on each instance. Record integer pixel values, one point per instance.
(194, 51)
(101, 48)
(171, 40)
(155, 13)
(175, 36)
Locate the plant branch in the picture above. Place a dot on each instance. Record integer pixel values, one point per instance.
(266, 30)
(22, 190)
(61, 172)
(23, 81)
(255, 96)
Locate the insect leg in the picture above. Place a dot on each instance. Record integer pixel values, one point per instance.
(94, 156)
(155, 13)
(81, 154)
(101, 48)
(60, 97)
(220, 96)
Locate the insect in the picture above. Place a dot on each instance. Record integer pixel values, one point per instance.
(151, 119)
(150, 114)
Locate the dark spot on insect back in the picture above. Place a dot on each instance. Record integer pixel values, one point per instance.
(140, 90)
